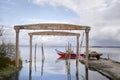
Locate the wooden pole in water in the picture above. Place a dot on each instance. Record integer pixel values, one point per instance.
(43, 57)
(77, 58)
(81, 42)
(30, 59)
(77, 48)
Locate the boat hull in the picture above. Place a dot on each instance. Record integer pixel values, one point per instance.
(65, 55)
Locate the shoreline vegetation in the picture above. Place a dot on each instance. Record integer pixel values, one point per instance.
(7, 72)
(7, 61)
(7, 55)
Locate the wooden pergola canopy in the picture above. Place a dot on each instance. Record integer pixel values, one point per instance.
(58, 33)
(50, 26)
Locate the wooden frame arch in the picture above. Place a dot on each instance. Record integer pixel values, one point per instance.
(51, 26)
(58, 33)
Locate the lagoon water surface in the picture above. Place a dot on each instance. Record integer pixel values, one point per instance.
(53, 68)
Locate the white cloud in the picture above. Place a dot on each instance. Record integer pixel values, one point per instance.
(35, 20)
(91, 12)
(102, 15)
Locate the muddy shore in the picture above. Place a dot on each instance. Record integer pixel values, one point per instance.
(108, 68)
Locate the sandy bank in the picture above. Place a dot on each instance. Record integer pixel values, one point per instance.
(109, 68)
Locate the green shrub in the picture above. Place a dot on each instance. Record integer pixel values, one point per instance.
(5, 61)
(2, 50)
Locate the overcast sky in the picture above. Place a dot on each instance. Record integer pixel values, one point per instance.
(102, 15)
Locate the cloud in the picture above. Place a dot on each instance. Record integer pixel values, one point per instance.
(36, 20)
(90, 12)
(102, 15)
(112, 13)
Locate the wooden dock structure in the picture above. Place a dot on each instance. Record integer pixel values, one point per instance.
(52, 27)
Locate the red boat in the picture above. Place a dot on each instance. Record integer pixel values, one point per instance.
(66, 55)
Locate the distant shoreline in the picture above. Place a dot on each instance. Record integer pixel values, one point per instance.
(75, 46)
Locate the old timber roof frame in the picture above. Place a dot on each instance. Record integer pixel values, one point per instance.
(58, 33)
(51, 26)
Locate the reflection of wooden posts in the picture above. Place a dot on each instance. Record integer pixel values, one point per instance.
(77, 70)
(43, 59)
(17, 48)
(87, 51)
(67, 61)
(30, 58)
(43, 56)
(35, 51)
(17, 76)
(30, 74)
(35, 56)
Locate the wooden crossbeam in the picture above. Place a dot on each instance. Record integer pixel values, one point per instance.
(50, 26)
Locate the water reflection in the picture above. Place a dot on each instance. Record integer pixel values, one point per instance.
(67, 62)
(30, 73)
(43, 59)
(47, 69)
(68, 68)
(42, 64)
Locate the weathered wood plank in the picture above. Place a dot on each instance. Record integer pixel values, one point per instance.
(50, 26)
(58, 33)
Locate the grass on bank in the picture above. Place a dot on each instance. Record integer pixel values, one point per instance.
(7, 68)
(7, 72)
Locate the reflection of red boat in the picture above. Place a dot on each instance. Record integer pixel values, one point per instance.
(66, 55)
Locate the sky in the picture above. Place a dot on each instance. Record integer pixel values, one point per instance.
(103, 16)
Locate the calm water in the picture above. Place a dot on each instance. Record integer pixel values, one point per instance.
(53, 69)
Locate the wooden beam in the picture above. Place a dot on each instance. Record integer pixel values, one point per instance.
(58, 33)
(51, 26)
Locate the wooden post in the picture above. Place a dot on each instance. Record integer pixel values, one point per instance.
(81, 43)
(77, 48)
(35, 51)
(35, 56)
(87, 51)
(77, 57)
(17, 48)
(30, 58)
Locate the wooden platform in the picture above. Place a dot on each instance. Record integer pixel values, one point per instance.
(108, 68)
